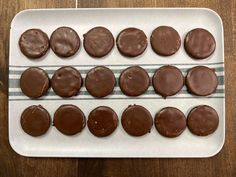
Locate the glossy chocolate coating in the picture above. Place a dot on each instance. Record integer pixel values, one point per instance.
(69, 119)
(131, 42)
(65, 42)
(100, 81)
(66, 81)
(168, 80)
(35, 120)
(170, 122)
(165, 40)
(34, 43)
(102, 121)
(136, 120)
(98, 42)
(199, 43)
(34, 82)
(201, 81)
(202, 120)
(134, 81)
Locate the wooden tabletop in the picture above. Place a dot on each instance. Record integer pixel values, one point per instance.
(221, 165)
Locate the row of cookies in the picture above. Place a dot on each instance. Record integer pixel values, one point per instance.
(131, 42)
(100, 81)
(136, 120)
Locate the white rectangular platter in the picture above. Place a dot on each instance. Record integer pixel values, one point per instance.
(119, 144)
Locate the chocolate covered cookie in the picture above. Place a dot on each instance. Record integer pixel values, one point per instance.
(201, 81)
(102, 121)
(165, 40)
(34, 82)
(167, 80)
(136, 120)
(199, 43)
(34, 43)
(170, 122)
(134, 81)
(131, 42)
(202, 120)
(35, 120)
(98, 42)
(66, 81)
(100, 81)
(65, 42)
(69, 119)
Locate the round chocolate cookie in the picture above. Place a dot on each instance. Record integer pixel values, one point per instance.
(167, 80)
(35, 120)
(100, 81)
(134, 81)
(98, 42)
(34, 82)
(202, 120)
(136, 120)
(102, 121)
(66, 81)
(64, 42)
(69, 119)
(199, 43)
(131, 42)
(201, 81)
(170, 122)
(34, 43)
(165, 40)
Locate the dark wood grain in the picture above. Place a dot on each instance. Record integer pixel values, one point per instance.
(221, 165)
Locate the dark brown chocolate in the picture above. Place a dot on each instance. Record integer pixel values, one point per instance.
(102, 121)
(69, 119)
(100, 81)
(165, 40)
(167, 80)
(34, 43)
(170, 122)
(131, 42)
(201, 81)
(34, 82)
(98, 42)
(35, 120)
(65, 42)
(66, 81)
(199, 43)
(134, 81)
(136, 120)
(202, 120)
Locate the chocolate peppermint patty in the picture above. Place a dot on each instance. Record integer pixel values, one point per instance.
(131, 42)
(102, 121)
(100, 81)
(69, 119)
(34, 43)
(170, 122)
(201, 81)
(167, 80)
(98, 42)
(136, 120)
(199, 43)
(165, 40)
(203, 120)
(34, 82)
(66, 81)
(65, 41)
(134, 81)
(35, 120)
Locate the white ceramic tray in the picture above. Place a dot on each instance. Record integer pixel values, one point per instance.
(119, 144)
